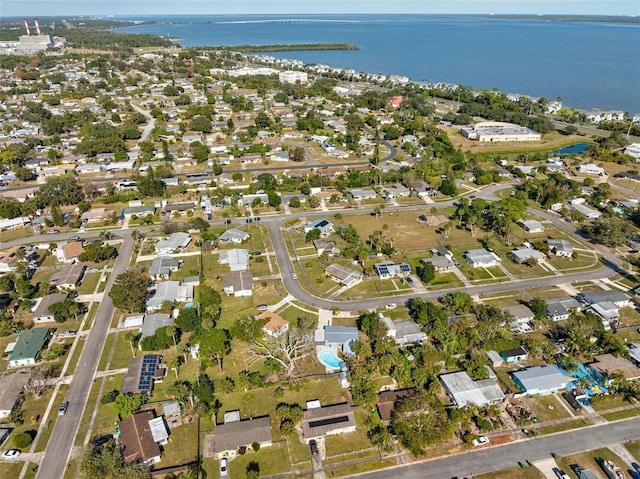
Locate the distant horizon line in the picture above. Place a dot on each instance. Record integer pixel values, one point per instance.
(109, 15)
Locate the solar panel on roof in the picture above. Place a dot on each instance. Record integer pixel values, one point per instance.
(329, 421)
(405, 267)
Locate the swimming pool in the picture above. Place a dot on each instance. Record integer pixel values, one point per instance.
(329, 359)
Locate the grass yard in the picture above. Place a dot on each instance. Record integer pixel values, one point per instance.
(515, 473)
(102, 365)
(10, 469)
(344, 444)
(602, 403)
(616, 416)
(182, 447)
(18, 233)
(375, 287)
(634, 448)
(546, 408)
(565, 426)
(271, 460)
(89, 283)
(448, 280)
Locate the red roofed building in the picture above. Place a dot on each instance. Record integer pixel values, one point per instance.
(396, 101)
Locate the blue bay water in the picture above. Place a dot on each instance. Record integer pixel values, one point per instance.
(588, 64)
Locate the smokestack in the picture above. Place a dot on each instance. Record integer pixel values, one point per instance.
(26, 25)
(38, 27)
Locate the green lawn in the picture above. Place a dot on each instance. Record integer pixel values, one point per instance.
(89, 283)
(615, 416)
(565, 426)
(346, 443)
(515, 473)
(182, 446)
(18, 233)
(589, 460)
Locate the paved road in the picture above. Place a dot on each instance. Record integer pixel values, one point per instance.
(60, 444)
(507, 456)
(151, 124)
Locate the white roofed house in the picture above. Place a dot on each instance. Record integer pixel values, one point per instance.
(404, 332)
(171, 291)
(481, 258)
(541, 380)
(233, 236)
(524, 254)
(531, 226)
(591, 169)
(522, 317)
(464, 391)
(323, 225)
(237, 259)
(175, 242)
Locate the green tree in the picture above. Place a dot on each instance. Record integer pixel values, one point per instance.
(274, 199)
(215, 343)
(297, 154)
(610, 231)
(97, 252)
(294, 202)
(312, 235)
(539, 308)
(426, 272)
(127, 404)
(129, 292)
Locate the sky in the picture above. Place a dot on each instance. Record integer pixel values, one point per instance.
(43, 8)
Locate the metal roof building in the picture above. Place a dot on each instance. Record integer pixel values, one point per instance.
(541, 380)
(463, 390)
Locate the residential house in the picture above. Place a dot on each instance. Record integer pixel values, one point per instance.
(525, 254)
(440, 263)
(341, 337)
(11, 389)
(541, 380)
(144, 371)
(69, 252)
(423, 189)
(559, 309)
(560, 247)
(319, 422)
(178, 208)
(396, 191)
(172, 413)
(345, 276)
(275, 325)
(388, 400)
(237, 259)
(531, 226)
(325, 246)
(139, 211)
(153, 322)
(324, 226)
(362, 194)
(516, 355)
(94, 215)
(41, 313)
(620, 299)
(442, 251)
(136, 438)
(391, 270)
(522, 317)
(463, 390)
(10, 258)
(634, 353)
(171, 291)
(481, 258)
(231, 436)
(586, 211)
(159, 430)
(28, 347)
(70, 276)
(607, 366)
(591, 169)
(162, 267)
(238, 283)
(175, 242)
(233, 236)
(404, 332)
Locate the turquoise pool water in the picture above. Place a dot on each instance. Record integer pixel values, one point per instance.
(329, 359)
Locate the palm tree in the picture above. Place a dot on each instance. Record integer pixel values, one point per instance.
(130, 338)
(174, 363)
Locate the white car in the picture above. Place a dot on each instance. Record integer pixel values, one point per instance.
(390, 306)
(224, 467)
(11, 454)
(481, 441)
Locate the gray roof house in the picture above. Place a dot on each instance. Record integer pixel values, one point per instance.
(345, 276)
(440, 263)
(325, 246)
(238, 283)
(560, 247)
(362, 194)
(619, 298)
(230, 436)
(140, 211)
(481, 258)
(237, 259)
(524, 254)
(233, 236)
(522, 316)
(175, 242)
(172, 291)
(11, 386)
(338, 337)
(560, 308)
(531, 226)
(404, 332)
(41, 314)
(70, 275)
(323, 225)
(153, 322)
(389, 269)
(463, 390)
(541, 380)
(144, 371)
(319, 422)
(163, 266)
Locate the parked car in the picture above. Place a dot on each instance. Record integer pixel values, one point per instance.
(102, 440)
(62, 410)
(75, 238)
(314, 447)
(262, 307)
(224, 467)
(294, 276)
(53, 232)
(390, 306)
(11, 454)
(481, 441)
